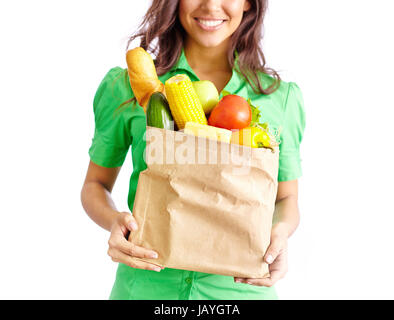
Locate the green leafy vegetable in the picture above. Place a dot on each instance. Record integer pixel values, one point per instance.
(225, 93)
(255, 112)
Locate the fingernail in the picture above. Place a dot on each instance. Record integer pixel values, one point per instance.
(238, 281)
(158, 269)
(269, 259)
(133, 226)
(154, 255)
(248, 282)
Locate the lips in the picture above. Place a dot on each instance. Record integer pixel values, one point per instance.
(209, 23)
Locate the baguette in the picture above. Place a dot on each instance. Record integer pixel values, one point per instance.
(142, 74)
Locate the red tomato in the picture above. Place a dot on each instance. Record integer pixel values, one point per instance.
(232, 112)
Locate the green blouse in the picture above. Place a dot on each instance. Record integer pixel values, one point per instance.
(116, 131)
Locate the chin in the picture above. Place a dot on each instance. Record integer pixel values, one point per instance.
(207, 43)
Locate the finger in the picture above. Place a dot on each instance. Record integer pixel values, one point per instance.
(122, 227)
(125, 223)
(266, 282)
(276, 245)
(132, 250)
(118, 256)
(253, 281)
(240, 280)
(129, 222)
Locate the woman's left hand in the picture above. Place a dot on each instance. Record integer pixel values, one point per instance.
(276, 257)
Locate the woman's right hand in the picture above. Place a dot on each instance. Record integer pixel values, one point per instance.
(121, 250)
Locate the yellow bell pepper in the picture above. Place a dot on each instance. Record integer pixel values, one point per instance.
(254, 137)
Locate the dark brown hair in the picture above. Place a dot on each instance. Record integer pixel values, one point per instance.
(162, 35)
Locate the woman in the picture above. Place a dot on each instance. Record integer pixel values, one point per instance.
(216, 40)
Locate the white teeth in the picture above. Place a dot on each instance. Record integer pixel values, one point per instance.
(210, 23)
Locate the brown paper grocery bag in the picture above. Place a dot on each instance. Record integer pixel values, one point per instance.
(206, 205)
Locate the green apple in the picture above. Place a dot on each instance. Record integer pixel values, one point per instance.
(207, 93)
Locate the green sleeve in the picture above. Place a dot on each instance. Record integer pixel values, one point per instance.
(112, 136)
(293, 127)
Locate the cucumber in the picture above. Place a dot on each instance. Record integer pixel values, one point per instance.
(158, 113)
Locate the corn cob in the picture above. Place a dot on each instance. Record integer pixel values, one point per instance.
(183, 100)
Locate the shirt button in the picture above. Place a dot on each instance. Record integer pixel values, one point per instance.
(188, 280)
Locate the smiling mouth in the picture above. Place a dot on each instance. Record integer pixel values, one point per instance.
(210, 23)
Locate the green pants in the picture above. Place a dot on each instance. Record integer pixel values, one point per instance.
(175, 284)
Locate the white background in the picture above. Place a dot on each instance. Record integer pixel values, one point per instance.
(53, 57)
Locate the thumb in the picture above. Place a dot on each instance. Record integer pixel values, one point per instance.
(273, 250)
(128, 221)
